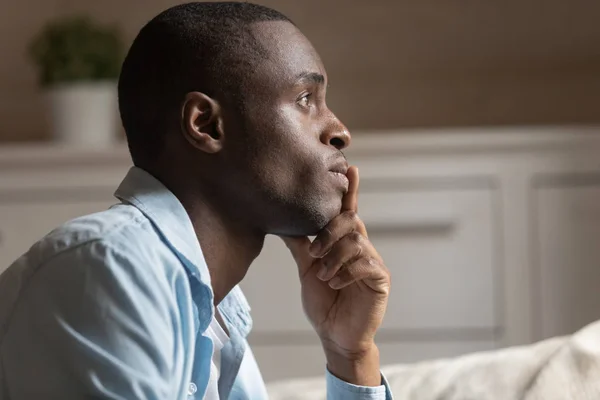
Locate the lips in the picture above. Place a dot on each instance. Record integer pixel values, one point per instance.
(338, 173)
(340, 180)
(340, 168)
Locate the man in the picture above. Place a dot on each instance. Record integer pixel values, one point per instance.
(224, 109)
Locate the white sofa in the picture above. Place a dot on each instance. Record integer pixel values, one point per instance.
(564, 368)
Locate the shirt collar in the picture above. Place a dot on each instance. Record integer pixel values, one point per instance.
(165, 211)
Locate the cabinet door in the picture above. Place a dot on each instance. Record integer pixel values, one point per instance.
(22, 224)
(440, 246)
(566, 257)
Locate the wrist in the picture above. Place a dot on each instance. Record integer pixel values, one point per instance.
(359, 368)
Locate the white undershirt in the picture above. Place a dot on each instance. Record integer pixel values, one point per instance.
(219, 338)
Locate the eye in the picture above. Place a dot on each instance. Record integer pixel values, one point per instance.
(304, 101)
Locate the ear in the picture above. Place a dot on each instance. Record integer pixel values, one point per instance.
(202, 122)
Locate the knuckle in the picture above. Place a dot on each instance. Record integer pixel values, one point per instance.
(355, 237)
(358, 252)
(356, 241)
(352, 216)
(371, 262)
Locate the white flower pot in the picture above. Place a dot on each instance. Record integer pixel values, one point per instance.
(83, 114)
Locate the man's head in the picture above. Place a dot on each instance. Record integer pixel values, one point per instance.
(230, 97)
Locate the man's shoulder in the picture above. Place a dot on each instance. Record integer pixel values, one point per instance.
(118, 239)
(119, 227)
(116, 248)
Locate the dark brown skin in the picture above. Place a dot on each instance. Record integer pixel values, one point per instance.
(277, 169)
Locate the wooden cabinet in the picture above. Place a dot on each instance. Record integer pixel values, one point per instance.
(439, 244)
(566, 252)
(491, 238)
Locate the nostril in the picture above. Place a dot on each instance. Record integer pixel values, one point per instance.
(337, 143)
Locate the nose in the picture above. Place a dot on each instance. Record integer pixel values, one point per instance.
(336, 134)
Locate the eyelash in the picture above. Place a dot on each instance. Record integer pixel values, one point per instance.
(306, 96)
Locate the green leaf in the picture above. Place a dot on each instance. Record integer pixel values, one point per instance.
(76, 49)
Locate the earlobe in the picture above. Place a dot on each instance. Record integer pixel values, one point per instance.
(201, 122)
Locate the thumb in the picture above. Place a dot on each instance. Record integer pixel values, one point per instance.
(298, 246)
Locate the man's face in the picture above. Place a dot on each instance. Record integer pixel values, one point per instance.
(286, 165)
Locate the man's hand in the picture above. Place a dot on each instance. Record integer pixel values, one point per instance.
(345, 288)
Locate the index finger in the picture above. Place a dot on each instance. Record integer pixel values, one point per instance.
(350, 199)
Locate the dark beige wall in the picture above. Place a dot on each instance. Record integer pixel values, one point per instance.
(391, 63)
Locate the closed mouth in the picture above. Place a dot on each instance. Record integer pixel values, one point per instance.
(341, 168)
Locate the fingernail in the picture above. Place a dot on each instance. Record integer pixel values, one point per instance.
(322, 273)
(335, 282)
(315, 248)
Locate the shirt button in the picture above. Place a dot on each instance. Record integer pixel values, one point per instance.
(192, 389)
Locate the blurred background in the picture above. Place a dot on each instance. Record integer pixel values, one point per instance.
(475, 127)
(391, 63)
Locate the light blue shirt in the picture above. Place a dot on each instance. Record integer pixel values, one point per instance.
(115, 305)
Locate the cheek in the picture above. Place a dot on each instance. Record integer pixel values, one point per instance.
(279, 143)
(285, 151)
(286, 170)
(288, 174)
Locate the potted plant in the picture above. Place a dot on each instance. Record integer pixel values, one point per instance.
(78, 63)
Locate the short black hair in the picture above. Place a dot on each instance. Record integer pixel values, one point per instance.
(200, 46)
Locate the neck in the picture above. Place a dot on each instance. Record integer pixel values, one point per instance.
(228, 249)
(228, 246)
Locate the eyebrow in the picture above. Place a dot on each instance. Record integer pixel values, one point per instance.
(311, 77)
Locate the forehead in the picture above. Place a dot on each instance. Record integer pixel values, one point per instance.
(288, 52)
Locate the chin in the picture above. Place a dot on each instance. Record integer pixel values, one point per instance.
(306, 216)
(314, 228)
(310, 221)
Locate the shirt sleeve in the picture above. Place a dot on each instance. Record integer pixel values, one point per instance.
(95, 323)
(338, 389)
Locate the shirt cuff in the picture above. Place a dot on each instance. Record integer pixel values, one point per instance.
(338, 389)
